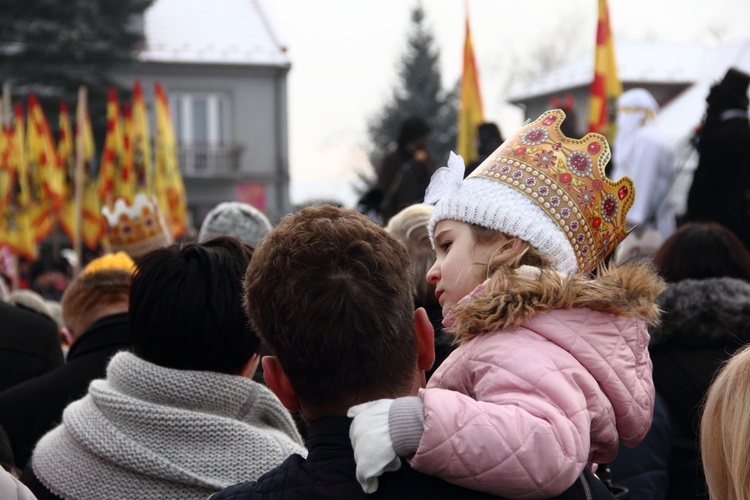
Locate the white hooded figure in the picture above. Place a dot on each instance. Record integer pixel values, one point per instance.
(641, 153)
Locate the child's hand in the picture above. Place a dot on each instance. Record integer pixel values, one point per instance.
(371, 439)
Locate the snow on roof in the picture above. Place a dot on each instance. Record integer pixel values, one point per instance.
(642, 62)
(211, 32)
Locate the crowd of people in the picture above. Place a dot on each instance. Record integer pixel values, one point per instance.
(502, 329)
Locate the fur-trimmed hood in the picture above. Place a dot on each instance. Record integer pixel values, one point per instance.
(629, 290)
(704, 313)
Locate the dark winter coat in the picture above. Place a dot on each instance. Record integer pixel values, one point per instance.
(720, 191)
(643, 470)
(403, 181)
(29, 345)
(704, 323)
(29, 410)
(329, 473)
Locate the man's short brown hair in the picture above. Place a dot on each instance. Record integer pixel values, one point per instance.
(329, 292)
(89, 294)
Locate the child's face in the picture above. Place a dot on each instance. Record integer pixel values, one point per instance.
(460, 264)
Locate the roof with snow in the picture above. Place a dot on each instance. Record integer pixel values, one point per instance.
(642, 62)
(211, 32)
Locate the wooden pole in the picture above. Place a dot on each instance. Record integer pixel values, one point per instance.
(78, 178)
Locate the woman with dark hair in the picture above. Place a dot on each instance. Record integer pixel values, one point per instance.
(706, 319)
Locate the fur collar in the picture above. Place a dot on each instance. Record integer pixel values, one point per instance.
(703, 313)
(510, 298)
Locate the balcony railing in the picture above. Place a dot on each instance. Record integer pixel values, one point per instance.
(209, 160)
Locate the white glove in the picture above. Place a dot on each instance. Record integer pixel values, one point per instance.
(371, 440)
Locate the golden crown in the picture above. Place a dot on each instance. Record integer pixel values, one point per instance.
(565, 177)
(135, 229)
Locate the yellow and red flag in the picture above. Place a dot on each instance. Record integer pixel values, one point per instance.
(6, 172)
(66, 153)
(125, 186)
(92, 226)
(16, 228)
(112, 155)
(170, 190)
(470, 114)
(606, 87)
(45, 171)
(141, 143)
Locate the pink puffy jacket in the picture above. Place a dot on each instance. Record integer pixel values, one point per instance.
(520, 413)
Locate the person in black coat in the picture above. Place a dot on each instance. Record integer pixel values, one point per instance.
(720, 191)
(94, 309)
(330, 294)
(706, 319)
(29, 345)
(404, 173)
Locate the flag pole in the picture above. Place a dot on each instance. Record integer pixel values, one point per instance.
(78, 178)
(7, 113)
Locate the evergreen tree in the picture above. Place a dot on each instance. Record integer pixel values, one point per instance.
(418, 93)
(51, 48)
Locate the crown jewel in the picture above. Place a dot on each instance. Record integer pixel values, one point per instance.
(135, 229)
(565, 177)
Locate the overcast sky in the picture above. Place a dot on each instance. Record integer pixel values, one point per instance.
(344, 54)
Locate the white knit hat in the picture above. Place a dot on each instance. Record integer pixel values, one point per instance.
(490, 204)
(240, 220)
(541, 187)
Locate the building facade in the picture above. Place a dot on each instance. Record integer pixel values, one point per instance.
(224, 70)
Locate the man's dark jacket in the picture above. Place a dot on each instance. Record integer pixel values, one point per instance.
(29, 345)
(329, 473)
(29, 410)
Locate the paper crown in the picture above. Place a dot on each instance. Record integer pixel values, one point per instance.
(565, 177)
(135, 229)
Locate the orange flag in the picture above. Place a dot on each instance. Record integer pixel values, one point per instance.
(16, 228)
(141, 143)
(66, 153)
(112, 156)
(470, 114)
(45, 171)
(92, 226)
(170, 190)
(606, 87)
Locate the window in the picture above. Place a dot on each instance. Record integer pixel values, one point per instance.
(201, 123)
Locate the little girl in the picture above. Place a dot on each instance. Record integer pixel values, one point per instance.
(553, 369)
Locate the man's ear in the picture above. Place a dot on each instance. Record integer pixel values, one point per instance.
(425, 339)
(278, 382)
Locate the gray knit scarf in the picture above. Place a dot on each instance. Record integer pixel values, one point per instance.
(149, 431)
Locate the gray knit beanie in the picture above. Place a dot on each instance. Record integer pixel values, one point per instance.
(240, 220)
(543, 188)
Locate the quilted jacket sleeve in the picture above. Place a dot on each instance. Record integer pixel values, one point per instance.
(524, 433)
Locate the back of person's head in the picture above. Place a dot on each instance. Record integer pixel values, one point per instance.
(410, 227)
(730, 92)
(93, 295)
(489, 138)
(702, 250)
(233, 218)
(636, 108)
(186, 308)
(330, 294)
(411, 129)
(725, 430)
